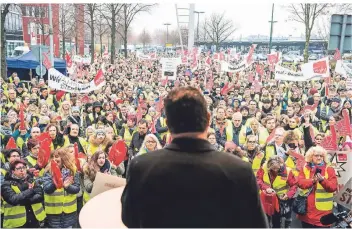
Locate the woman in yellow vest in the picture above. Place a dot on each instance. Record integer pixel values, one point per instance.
(318, 180)
(22, 198)
(98, 141)
(61, 203)
(275, 177)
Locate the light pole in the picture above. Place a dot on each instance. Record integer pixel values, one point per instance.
(271, 27)
(198, 12)
(167, 31)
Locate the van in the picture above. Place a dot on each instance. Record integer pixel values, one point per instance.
(20, 50)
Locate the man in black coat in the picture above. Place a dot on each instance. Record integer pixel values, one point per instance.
(188, 183)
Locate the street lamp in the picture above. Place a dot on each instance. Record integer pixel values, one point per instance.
(271, 27)
(167, 31)
(198, 12)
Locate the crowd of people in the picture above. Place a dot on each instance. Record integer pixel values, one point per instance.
(273, 125)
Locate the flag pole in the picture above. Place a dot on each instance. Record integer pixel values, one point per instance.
(51, 35)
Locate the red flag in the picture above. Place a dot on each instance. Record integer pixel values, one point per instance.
(224, 89)
(310, 107)
(208, 61)
(222, 56)
(271, 136)
(46, 61)
(259, 69)
(337, 55)
(251, 77)
(185, 52)
(59, 95)
(299, 159)
(216, 56)
(11, 144)
(99, 78)
(117, 152)
(68, 59)
(56, 174)
(250, 53)
(21, 117)
(330, 142)
(257, 86)
(44, 137)
(343, 126)
(184, 60)
(85, 99)
(273, 58)
(44, 153)
(320, 67)
(327, 83)
(78, 164)
(164, 81)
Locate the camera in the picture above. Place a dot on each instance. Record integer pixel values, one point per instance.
(318, 170)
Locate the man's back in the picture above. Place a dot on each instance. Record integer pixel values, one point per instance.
(189, 184)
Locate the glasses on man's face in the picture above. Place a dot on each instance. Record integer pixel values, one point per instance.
(20, 168)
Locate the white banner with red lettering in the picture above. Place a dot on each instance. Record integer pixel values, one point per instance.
(316, 69)
(60, 82)
(344, 69)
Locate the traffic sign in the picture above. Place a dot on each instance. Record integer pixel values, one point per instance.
(37, 70)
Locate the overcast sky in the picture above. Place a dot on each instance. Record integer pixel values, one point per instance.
(251, 18)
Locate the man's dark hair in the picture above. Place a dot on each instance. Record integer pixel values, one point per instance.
(186, 110)
(142, 121)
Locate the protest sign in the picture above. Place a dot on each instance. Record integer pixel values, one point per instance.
(104, 182)
(60, 82)
(226, 67)
(169, 68)
(282, 73)
(341, 161)
(316, 69)
(344, 197)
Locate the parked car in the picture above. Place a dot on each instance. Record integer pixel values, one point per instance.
(286, 58)
(313, 57)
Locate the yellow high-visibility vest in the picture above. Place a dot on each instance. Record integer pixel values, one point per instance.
(323, 199)
(256, 164)
(127, 136)
(280, 183)
(60, 202)
(15, 216)
(163, 124)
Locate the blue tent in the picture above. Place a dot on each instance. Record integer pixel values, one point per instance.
(24, 63)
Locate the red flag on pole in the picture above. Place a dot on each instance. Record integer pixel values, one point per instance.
(68, 59)
(46, 61)
(337, 55)
(99, 78)
(22, 125)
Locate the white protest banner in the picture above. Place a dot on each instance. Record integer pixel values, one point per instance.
(344, 196)
(282, 73)
(316, 69)
(349, 83)
(60, 82)
(104, 182)
(344, 69)
(169, 67)
(226, 67)
(341, 161)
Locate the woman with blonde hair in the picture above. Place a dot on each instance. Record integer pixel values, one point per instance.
(61, 203)
(317, 180)
(150, 143)
(64, 112)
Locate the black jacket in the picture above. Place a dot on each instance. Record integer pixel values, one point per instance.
(189, 184)
(26, 198)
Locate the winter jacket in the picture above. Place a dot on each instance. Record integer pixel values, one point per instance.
(329, 184)
(26, 198)
(61, 220)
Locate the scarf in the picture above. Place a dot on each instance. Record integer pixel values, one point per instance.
(13, 176)
(105, 167)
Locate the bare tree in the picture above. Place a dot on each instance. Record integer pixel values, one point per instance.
(128, 14)
(159, 37)
(5, 9)
(203, 36)
(307, 13)
(101, 29)
(111, 12)
(218, 28)
(90, 17)
(67, 23)
(145, 37)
